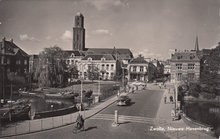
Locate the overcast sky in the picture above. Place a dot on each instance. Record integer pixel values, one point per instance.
(150, 27)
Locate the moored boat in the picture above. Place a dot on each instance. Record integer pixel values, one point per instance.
(68, 95)
(17, 111)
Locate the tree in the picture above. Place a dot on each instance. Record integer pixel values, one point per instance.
(93, 72)
(51, 67)
(73, 71)
(210, 69)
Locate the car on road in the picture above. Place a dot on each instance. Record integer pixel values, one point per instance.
(123, 101)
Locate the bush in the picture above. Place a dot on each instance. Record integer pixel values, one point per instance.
(208, 95)
(88, 94)
(76, 94)
(217, 132)
(194, 90)
(108, 91)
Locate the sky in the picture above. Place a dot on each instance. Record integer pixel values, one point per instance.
(153, 28)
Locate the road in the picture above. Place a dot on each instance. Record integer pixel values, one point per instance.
(137, 121)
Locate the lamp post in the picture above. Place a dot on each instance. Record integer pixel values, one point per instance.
(99, 86)
(176, 85)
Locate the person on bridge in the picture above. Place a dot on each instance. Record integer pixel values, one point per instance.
(80, 121)
(165, 99)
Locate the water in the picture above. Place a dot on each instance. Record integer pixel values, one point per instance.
(204, 112)
(39, 104)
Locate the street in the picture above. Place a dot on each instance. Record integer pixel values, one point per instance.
(136, 124)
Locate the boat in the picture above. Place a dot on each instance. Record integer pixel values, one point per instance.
(32, 93)
(62, 95)
(17, 111)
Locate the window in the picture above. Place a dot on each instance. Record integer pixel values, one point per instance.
(18, 61)
(179, 76)
(141, 68)
(191, 76)
(112, 75)
(191, 66)
(179, 57)
(179, 66)
(107, 67)
(192, 57)
(103, 66)
(8, 61)
(134, 69)
(72, 61)
(112, 67)
(25, 70)
(102, 59)
(25, 62)
(89, 59)
(68, 61)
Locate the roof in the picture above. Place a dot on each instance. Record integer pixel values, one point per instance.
(12, 49)
(33, 57)
(138, 60)
(69, 53)
(99, 57)
(121, 52)
(185, 56)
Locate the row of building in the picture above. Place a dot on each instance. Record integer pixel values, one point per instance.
(109, 61)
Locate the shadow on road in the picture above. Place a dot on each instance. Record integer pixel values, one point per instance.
(90, 128)
(131, 103)
(126, 122)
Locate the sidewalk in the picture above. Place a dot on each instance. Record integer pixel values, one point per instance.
(38, 125)
(165, 121)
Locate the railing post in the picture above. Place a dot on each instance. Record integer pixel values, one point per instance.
(62, 120)
(115, 123)
(52, 122)
(41, 121)
(29, 126)
(16, 128)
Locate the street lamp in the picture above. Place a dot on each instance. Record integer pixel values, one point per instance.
(99, 86)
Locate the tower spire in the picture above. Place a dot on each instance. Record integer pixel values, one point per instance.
(197, 44)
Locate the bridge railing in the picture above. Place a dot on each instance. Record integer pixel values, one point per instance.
(31, 126)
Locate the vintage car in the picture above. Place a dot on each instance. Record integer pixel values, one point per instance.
(123, 101)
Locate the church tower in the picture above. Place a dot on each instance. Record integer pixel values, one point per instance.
(197, 45)
(79, 33)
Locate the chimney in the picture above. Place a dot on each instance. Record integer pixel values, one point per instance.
(3, 43)
(3, 39)
(11, 40)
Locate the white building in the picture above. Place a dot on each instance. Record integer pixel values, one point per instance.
(106, 65)
(73, 57)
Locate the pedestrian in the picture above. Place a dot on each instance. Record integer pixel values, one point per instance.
(171, 99)
(173, 114)
(165, 100)
(80, 122)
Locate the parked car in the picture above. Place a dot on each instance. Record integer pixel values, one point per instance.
(123, 101)
(138, 83)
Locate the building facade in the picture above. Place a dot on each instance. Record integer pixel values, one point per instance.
(73, 57)
(105, 64)
(138, 69)
(13, 58)
(185, 65)
(33, 63)
(14, 62)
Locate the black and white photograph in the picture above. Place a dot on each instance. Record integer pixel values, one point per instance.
(110, 69)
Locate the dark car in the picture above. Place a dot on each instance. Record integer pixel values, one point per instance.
(123, 101)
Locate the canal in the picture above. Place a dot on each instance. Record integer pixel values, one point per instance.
(204, 112)
(40, 104)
